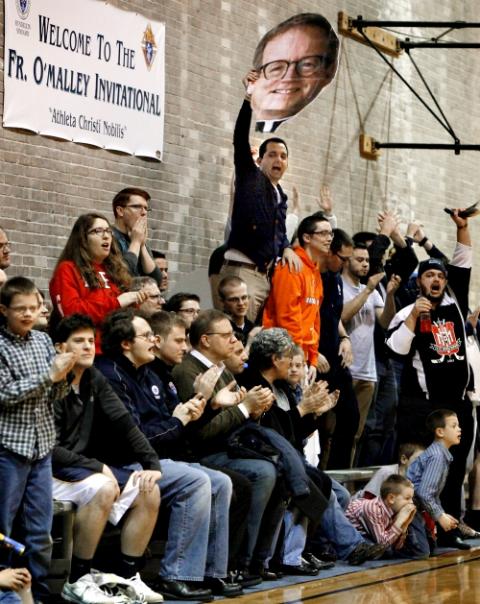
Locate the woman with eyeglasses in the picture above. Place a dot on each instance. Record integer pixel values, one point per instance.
(91, 277)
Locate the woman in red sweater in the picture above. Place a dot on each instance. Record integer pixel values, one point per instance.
(91, 277)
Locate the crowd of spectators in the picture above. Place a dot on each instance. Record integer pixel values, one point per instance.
(325, 350)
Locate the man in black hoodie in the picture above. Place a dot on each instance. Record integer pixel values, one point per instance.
(90, 470)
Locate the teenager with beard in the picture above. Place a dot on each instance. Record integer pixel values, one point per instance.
(431, 335)
(363, 307)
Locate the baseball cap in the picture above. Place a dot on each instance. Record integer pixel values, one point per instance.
(432, 264)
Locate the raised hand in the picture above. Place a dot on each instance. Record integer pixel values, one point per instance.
(228, 396)
(204, 383)
(326, 201)
(138, 232)
(258, 400)
(62, 364)
(374, 280)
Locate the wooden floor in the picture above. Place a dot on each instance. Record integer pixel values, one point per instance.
(448, 579)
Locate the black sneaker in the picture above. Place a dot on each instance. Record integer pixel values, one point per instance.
(366, 551)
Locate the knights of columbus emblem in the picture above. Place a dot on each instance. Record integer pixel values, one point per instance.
(149, 46)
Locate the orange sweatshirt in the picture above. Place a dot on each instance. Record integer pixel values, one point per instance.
(294, 304)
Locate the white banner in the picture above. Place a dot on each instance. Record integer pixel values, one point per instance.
(85, 71)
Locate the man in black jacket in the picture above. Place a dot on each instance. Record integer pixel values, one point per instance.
(258, 234)
(91, 471)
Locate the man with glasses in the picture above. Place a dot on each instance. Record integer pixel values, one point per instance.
(234, 295)
(130, 208)
(198, 499)
(5, 247)
(186, 305)
(229, 407)
(154, 300)
(293, 62)
(295, 298)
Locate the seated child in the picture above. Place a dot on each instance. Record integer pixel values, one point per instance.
(387, 519)
(429, 471)
(407, 453)
(296, 381)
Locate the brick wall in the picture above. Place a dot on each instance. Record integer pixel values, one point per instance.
(46, 183)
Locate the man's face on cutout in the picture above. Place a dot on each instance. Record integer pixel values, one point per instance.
(283, 94)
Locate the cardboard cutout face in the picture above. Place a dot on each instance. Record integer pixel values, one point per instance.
(294, 62)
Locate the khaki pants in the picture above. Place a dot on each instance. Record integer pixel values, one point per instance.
(258, 287)
(364, 392)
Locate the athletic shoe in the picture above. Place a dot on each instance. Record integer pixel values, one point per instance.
(86, 591)
(467, 532)
(116, 586)
(143, 591)
(366, 551)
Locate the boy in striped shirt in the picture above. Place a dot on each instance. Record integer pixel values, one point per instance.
(389, 519)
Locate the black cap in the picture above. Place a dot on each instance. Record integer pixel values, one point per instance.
(432, 264)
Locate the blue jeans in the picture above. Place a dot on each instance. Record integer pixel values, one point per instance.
(380, 430)
(416, 544)
(263, 476)
(26, 498)
(338, 530)
(9, 597)
(198, 499)
(342, 494)
(296, 525)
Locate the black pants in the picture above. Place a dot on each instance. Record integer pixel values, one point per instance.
(347, 417)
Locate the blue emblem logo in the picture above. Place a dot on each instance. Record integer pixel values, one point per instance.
(23, 8)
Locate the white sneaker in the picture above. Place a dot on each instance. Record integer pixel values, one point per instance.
(143, 591)
(86, 591)
(117, 587)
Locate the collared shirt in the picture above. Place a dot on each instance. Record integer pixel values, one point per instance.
(373, 518)
(258, 219)
(27, 393)
(208, 363)
(428, 474)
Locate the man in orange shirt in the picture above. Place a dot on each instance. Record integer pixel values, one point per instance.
(295, 298)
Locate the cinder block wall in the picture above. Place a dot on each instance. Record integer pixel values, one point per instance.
(46, 183)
